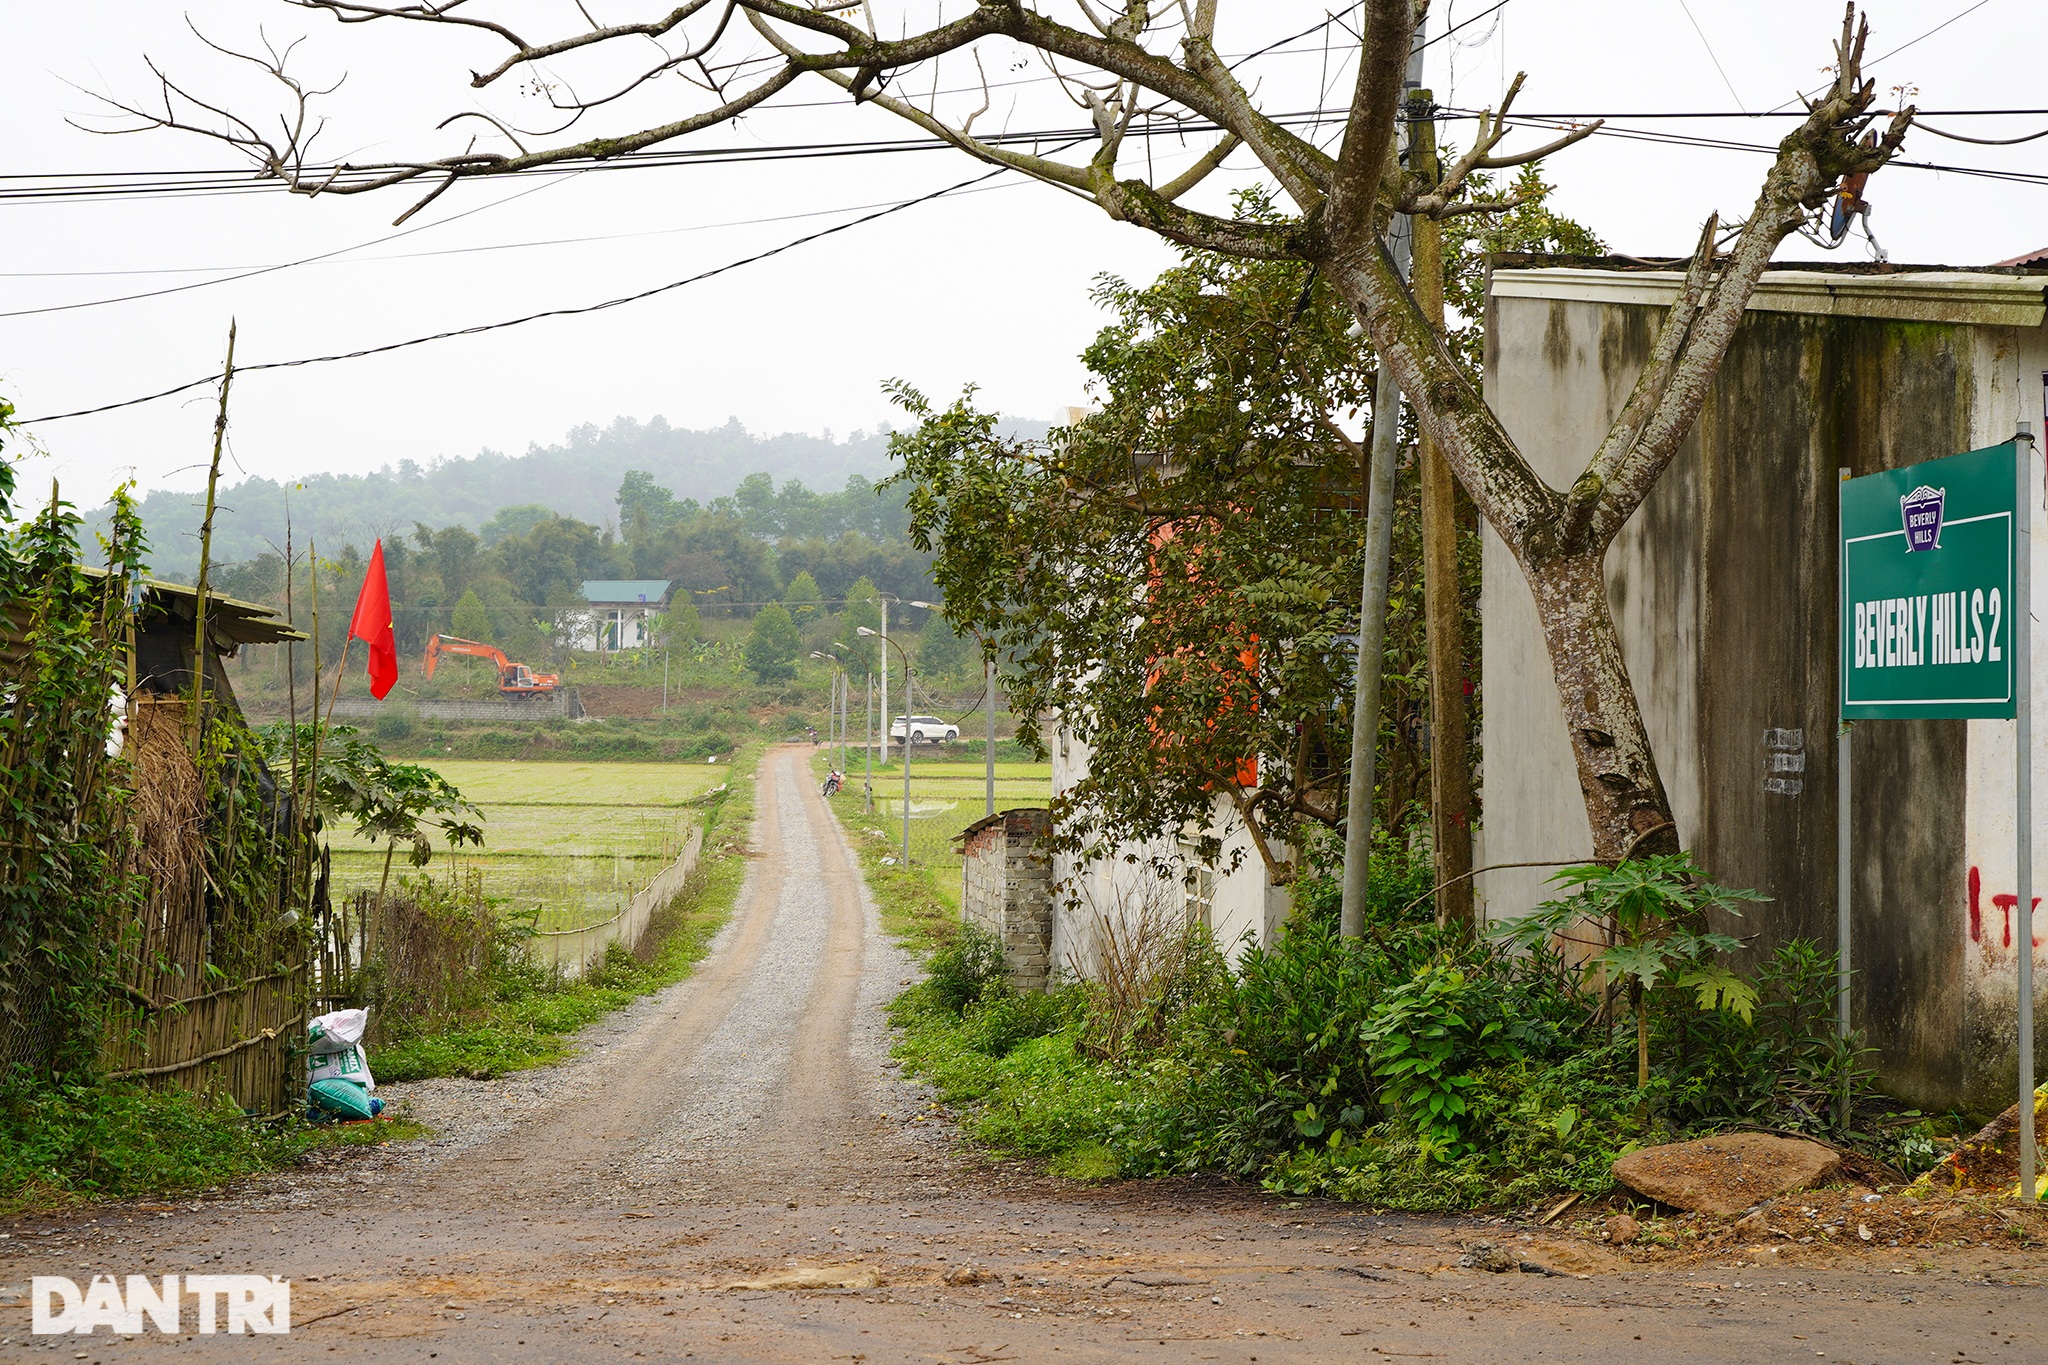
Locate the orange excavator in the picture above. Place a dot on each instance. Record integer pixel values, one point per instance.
(514, 680)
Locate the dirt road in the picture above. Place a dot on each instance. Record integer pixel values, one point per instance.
(745, 1127)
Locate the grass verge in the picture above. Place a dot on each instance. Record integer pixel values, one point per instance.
(67, 1144)
(1406, 1070)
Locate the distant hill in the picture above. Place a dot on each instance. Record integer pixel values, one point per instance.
(577, 478)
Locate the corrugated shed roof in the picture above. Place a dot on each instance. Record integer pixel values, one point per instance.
(625, 590)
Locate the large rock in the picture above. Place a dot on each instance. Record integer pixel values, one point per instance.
(1726, 1174)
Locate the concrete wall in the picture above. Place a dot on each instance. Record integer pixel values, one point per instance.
(1006, 888)
(560, 705)
(1723, 587)
(573, 952)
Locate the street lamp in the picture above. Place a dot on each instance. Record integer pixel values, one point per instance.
(842, 696)
(989, 696)
(906, 731)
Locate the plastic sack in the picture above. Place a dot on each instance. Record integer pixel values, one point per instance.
(336, 1099)
(336, 1032)
(351, 1066)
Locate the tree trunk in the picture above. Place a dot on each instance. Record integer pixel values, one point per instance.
(1626, 807)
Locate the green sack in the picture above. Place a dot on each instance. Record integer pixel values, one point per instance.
(339, 1099)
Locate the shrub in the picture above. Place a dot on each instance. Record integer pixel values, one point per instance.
(1408, 1069)
(959, 973)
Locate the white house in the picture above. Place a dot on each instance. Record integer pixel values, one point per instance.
(1119, 903)
(619, 615)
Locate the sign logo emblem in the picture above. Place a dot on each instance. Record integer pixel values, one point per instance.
(1921, 512)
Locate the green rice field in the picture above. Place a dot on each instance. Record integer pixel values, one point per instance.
(945, 798)
(574, 840)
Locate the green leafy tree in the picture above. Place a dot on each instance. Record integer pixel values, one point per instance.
(773, 646)
(1215, 488)
(681, 625)
(863, 607)
(645, 507)
(944, 653)
(515, 521)
(66, 878)
(802, 598)
(391, 803)
(471, 621)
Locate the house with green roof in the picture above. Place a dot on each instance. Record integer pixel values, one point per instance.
(621, 614)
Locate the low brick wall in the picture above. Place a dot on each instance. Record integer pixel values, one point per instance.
(1007, 890)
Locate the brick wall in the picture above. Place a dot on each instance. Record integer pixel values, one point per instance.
(1007, 890)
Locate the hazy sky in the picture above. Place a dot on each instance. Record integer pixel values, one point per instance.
(989, 287)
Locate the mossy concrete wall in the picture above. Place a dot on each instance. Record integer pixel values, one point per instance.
(1723, 587)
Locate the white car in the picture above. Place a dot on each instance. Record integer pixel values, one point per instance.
(924, 730)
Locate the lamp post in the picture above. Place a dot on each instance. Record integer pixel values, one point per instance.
(989, 697)
(845, 697)
(891, 644)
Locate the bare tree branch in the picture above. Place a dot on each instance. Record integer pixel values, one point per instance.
(1200, 171)
(1441, 200)
(1812, 159)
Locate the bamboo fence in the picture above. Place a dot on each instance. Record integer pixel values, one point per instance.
(211, 995)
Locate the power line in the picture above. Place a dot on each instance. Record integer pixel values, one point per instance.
(535, 317)
(273, 269)
(173, 184)
(177, 184)
(1724, 144)
(458, 250)
(1687, 9)
(1897, 50)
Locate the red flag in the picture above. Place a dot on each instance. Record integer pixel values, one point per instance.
(372, 625)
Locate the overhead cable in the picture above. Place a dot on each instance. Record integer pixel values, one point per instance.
(574, 311)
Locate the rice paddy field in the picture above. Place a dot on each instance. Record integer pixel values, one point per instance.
(574, 840)
(945, 798)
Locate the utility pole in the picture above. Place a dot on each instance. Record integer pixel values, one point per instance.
(867, 750)
(1372, 599)
(990, 756)
(1450, 752)
(885, 686)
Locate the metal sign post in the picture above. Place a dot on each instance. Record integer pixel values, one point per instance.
(2023, 788)
(1844, 841)
(1935, 607)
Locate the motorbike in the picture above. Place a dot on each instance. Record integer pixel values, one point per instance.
(833, 782)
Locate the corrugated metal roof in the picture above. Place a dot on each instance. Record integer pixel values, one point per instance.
(612, 591)
(1978, 297)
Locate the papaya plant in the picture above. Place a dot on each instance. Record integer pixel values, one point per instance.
(1644, 921)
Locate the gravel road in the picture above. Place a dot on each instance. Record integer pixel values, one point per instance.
(730, 1170)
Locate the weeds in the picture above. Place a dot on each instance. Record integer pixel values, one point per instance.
(65, 1142)
(1408, 1069)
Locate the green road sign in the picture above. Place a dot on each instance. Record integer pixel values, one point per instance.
(1927, 589)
